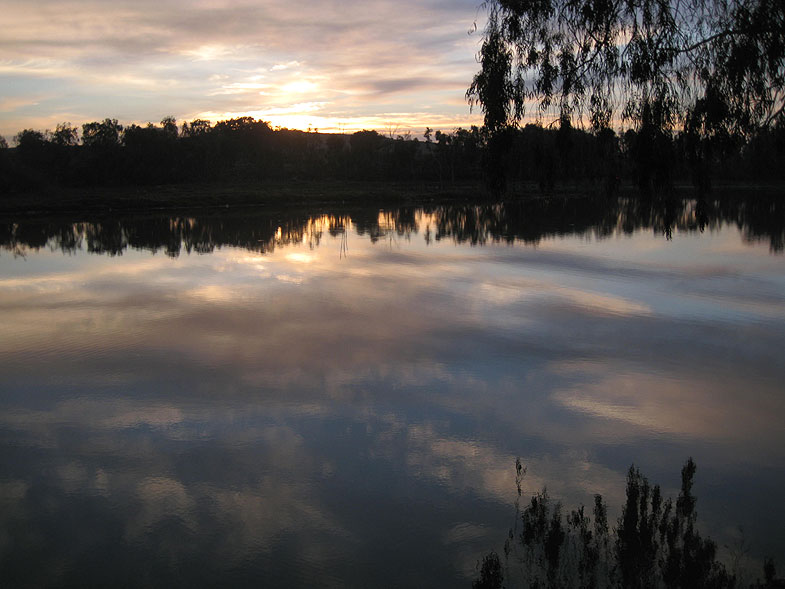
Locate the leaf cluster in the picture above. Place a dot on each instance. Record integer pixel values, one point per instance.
(710, 65)
(655, 543)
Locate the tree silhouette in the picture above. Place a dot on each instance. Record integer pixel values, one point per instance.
(103, 134)
(654, 544)
(65, 135)
(715, 68)
(248, 150)
(722, 61)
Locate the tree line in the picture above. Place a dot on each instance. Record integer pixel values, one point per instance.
(106, 153)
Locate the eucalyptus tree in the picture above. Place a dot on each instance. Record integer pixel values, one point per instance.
(712, 68)
(722, 59)
(103, 135)
(65, 135)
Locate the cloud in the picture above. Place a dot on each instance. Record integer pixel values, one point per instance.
(416, 51)
(285, 66)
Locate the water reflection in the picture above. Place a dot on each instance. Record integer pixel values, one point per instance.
(276, 413)
(759, 218)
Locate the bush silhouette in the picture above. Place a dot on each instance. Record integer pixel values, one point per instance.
(654, 544)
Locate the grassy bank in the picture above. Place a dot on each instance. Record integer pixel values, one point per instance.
(296, 194)
(230, 195)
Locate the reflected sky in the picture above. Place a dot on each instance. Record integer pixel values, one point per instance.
(345, 408)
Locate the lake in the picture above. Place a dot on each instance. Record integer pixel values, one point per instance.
(336, 397)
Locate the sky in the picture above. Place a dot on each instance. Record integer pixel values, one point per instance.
(332, 65)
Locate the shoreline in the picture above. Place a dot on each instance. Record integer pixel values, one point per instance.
(302, 194)
(223, 195)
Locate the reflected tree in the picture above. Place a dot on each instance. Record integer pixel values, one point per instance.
(655, 544)
(524, 221)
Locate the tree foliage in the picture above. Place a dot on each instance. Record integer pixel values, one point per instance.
(107, 153)
(716, 67)
(102, 135)
(655, 544)
(245, 149)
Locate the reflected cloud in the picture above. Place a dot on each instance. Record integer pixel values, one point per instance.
(299, 258)
(600, 304)
(705, 407)
(270, 398)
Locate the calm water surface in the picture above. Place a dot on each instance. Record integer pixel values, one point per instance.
(338, 399)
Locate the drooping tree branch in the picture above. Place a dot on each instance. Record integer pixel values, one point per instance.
(647, 62)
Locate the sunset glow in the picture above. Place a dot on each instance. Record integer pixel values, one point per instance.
(340, 68)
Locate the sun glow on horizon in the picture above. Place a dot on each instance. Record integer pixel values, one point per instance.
(146, 63)
(308, 117)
